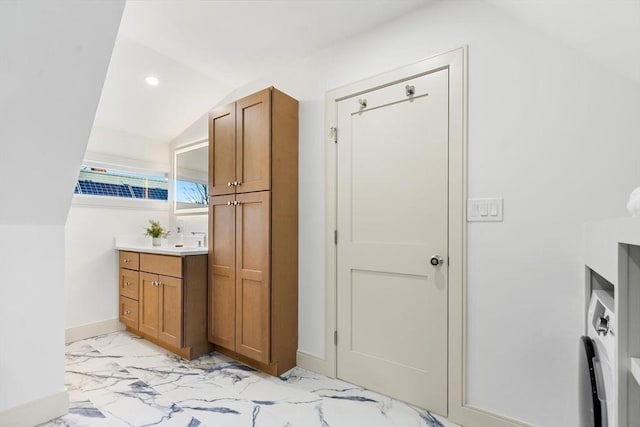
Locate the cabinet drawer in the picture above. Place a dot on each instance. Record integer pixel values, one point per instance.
(129, 260)
(129, 282)
(129, 312)
(165, 265)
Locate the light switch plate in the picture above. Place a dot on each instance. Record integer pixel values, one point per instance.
(485, 210)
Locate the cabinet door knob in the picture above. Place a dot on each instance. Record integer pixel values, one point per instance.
(229, 203)
(236, 183)
(127, 312)
(229, 184)
(160, 283)
(127, 283)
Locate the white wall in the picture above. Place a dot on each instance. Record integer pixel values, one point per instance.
(108, 144)
(54, 60)
(552, 130)
(92, 269)
(91, 285)
(31, 307)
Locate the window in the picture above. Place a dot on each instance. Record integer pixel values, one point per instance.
(98, 181)
(192, 194)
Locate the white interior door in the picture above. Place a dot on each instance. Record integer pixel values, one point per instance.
(392, 210)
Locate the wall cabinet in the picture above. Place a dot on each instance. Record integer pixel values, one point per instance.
(239, 145)
(163, 299)
(253, 230)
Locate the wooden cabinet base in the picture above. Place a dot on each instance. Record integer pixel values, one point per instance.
(165, 300)
(274, 369)
(188, 353)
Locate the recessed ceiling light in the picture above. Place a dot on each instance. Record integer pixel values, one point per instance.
(152, 80)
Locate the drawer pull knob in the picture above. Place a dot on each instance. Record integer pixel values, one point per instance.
(127, 283)
(126, 260)
(127, 312)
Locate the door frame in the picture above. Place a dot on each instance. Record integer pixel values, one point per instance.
(456, 62)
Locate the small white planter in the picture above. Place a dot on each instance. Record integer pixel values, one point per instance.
(156, 241)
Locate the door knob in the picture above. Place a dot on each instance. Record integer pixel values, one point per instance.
(436, 260)
(229, 184)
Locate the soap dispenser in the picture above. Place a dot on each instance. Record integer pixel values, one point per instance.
(179, 233)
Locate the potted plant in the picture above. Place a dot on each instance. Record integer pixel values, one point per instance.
(156, 232)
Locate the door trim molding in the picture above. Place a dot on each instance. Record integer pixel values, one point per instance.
(456, 62)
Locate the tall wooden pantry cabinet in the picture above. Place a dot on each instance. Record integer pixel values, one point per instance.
(253, 230)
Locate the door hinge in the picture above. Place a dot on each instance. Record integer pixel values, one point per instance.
(335, 337)
(335, 237)
(333, 131)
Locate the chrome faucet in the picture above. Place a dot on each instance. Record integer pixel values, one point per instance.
(202, 242)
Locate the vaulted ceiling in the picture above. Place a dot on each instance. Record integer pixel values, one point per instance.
(202, 50)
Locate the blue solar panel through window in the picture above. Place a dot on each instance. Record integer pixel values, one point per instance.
(122, 191)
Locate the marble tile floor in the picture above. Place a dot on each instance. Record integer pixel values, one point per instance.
(121, 380)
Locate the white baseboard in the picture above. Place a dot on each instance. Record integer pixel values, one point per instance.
(37, 411)
(92, 330)
(313, 363)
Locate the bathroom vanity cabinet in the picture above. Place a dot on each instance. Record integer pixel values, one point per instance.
(163, 298)
(253, 230)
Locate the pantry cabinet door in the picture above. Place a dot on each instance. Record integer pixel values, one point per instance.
(222, 150)
(253, 139)
(253, 311)
(222, 271)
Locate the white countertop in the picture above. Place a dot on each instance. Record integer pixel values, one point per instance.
(601, 244)
(164, 250)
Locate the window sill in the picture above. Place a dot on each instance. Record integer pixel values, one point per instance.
(83, 200)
